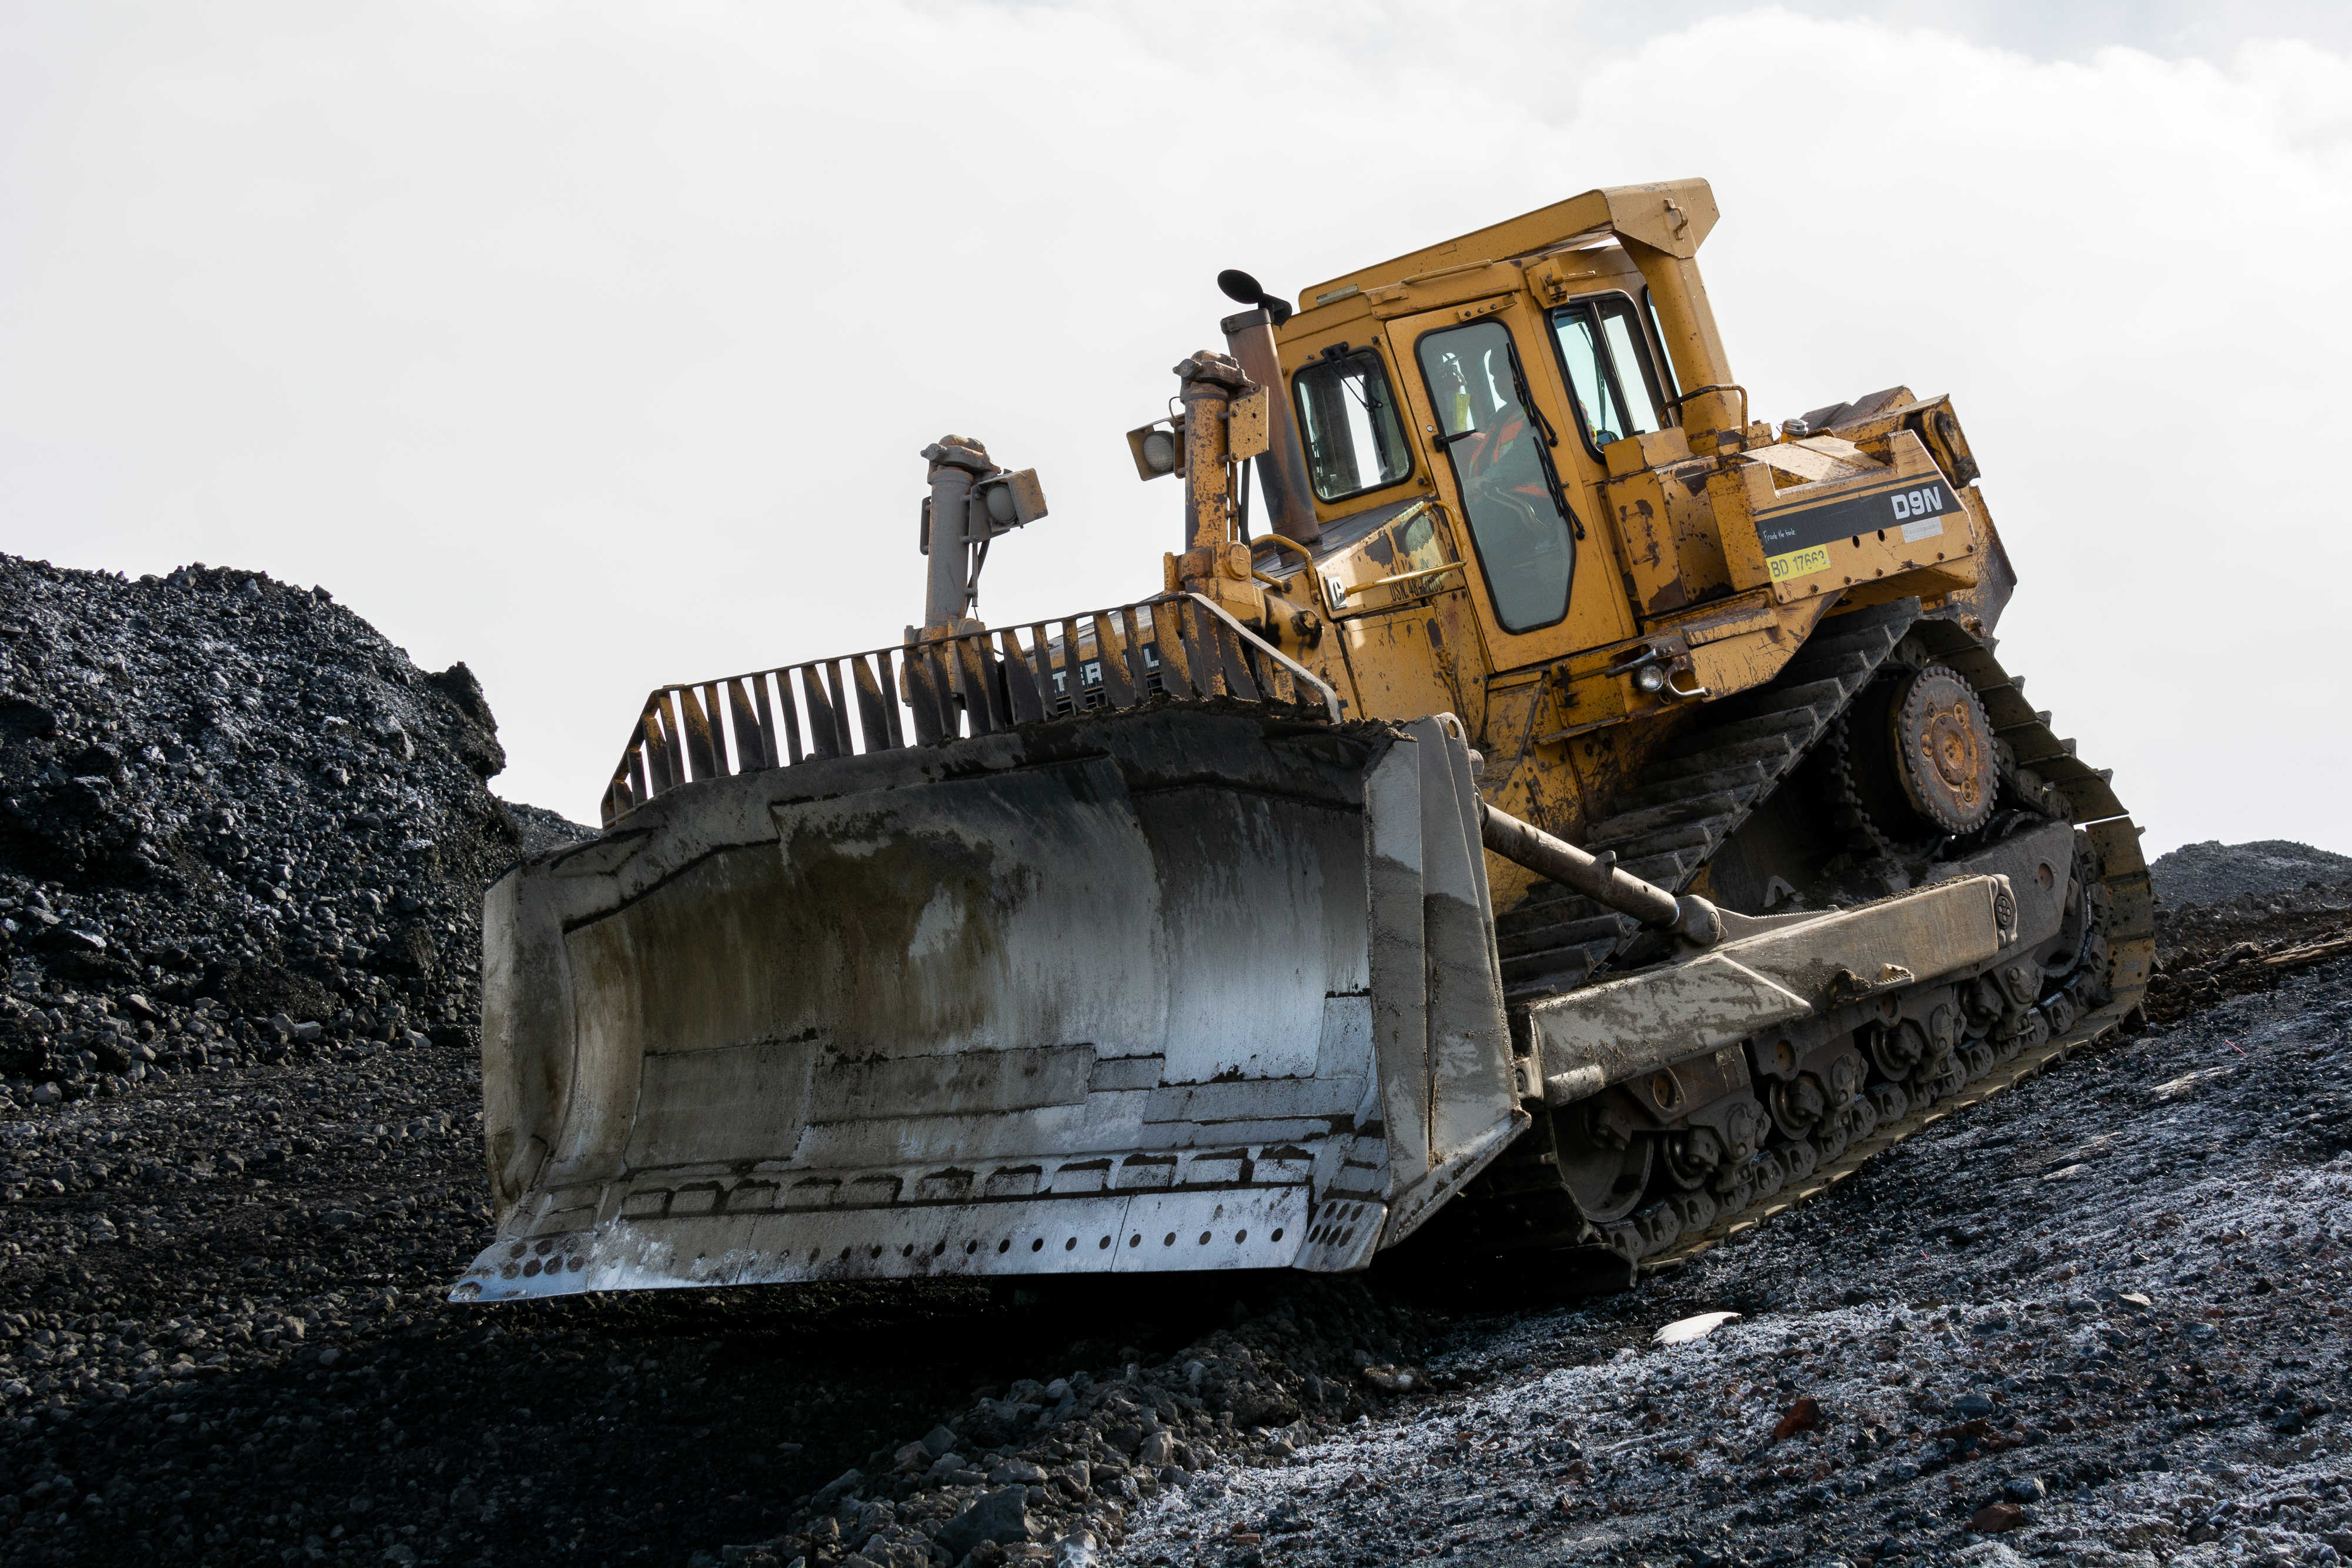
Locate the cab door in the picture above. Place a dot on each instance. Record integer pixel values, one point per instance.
(1483, 391)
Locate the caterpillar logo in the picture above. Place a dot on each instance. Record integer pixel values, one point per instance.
(1919, 503)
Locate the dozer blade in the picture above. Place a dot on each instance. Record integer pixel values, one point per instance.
(1186, 987)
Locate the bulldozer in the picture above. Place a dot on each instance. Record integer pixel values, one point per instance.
(1573, 823)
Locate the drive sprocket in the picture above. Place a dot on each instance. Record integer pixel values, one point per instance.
(1913, 762)
(1947, 763)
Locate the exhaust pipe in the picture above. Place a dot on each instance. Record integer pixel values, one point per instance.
(1282, 470)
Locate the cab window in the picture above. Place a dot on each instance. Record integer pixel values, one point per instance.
(1519, 522)
(1355, 440)
(1609, 367)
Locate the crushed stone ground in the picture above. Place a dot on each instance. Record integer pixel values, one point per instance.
(2113, 1299)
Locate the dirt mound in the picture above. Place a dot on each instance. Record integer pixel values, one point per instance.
(2212, 872)
(2244, 946)
(234, 822)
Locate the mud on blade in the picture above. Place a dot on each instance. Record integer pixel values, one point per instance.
(1189, 988)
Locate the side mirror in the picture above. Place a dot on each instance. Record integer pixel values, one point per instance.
(1240, 286)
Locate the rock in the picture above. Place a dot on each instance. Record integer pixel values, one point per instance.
(840, 1487)
(1804, 1415)
(1155, 1451)
(1682, 1331)
(1001, 1516)
(1996, 1517)
(2024, 1490)
(939, 1439)
(1019, 1472)
(1973, 1406)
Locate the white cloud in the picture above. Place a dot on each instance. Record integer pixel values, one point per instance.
(593, 344)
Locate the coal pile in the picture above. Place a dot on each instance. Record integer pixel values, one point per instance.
(2214, 872)
(236, 826)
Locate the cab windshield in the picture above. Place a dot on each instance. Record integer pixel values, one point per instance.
(1609, 367)
(1355, 441)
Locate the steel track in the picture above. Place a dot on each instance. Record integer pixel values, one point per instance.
(1673, 824)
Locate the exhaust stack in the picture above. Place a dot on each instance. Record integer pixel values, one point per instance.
(1282, 469)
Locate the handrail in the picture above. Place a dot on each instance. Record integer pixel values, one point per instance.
(1282, 541)
(1298, 672)
(1342, 592)
(1175, 646)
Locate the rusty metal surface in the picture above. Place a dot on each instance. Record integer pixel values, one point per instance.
(972, 682)
(1174, 987)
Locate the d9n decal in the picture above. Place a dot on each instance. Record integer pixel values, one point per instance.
(1796, 540)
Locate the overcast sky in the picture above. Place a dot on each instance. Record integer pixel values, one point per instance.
(593, 344)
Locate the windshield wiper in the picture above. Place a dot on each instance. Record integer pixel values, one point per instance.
(1543, 459)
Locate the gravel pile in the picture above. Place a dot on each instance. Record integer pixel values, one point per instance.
(2100, 1320)
(2212, 871)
